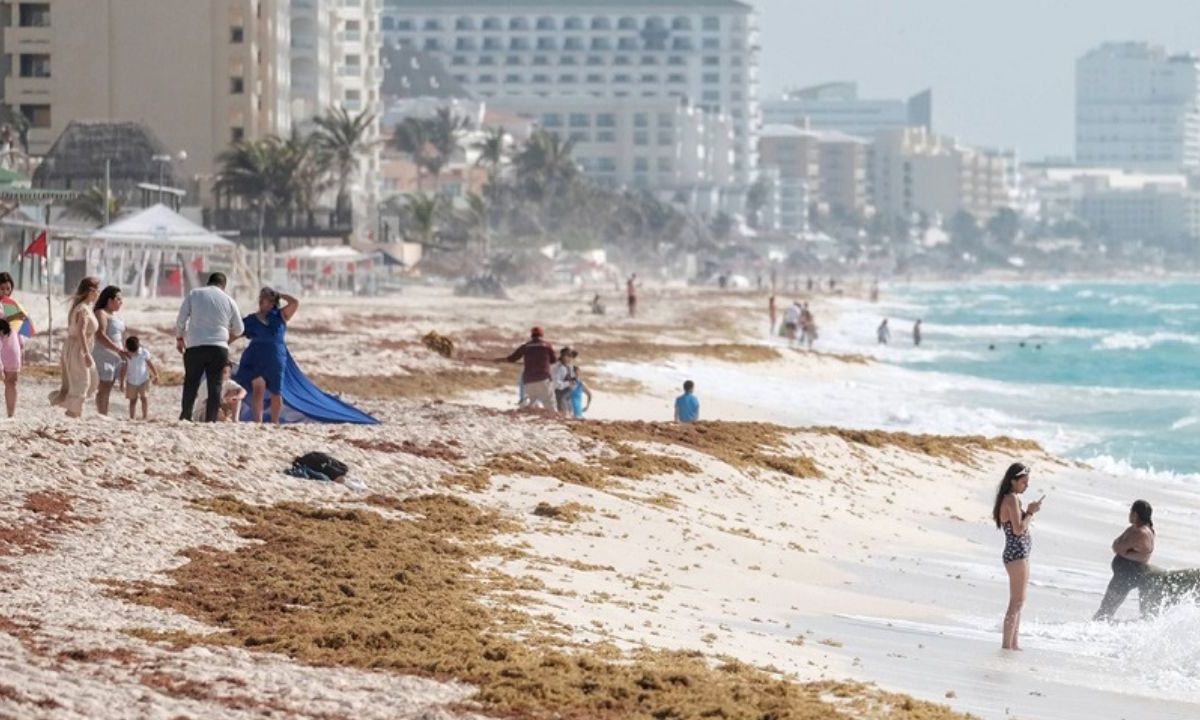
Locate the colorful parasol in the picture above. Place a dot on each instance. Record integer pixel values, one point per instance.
(24, 326)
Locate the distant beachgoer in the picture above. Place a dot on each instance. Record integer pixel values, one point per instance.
(791, 321)
(771, 314)
(109, 353)
(12, 346)
(631, 294)
(884, 333)
(207, 319)
(1018, 543)
(917, 333)
(687, 405)
(140, 371)
(875, 291)
(563, 376)
(539, 358)
(76, 366)
(1131, 559)
(581, 396)
(832, 285)
(808, 327)
(597, 305)
(810, 284)
(723, 281)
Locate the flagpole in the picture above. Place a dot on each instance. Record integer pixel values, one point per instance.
(49, 300)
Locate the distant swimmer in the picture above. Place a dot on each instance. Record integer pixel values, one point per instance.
(884, 333)
(917, 333)
(1018, 544)
(1131, 560)
(991, 347)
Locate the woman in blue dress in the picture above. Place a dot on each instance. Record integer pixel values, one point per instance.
(269, 374)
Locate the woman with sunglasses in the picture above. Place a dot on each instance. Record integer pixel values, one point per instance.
(1018, 542)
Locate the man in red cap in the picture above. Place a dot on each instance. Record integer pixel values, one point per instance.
(539, 357)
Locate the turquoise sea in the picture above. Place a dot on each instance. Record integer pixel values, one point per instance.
(1106, 372)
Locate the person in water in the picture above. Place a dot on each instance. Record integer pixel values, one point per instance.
(1131, 559)
(1018, 543)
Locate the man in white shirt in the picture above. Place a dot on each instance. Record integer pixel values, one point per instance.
(207, 320)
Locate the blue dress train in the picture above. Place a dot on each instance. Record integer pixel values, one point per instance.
(267, 357)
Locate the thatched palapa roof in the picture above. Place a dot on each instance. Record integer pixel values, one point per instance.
(76, 159)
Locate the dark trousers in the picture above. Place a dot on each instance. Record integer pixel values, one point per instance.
(207, 361)
(1127, 575)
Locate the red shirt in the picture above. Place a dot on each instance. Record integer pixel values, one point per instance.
(539, 356)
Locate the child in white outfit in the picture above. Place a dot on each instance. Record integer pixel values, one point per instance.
(139, 372)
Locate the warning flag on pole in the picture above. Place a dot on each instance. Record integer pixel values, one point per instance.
(38, 246)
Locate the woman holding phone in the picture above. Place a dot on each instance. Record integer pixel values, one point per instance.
(1018, 543)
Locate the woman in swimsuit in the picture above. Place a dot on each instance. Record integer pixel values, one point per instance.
(1018, 543)
(1131, 560)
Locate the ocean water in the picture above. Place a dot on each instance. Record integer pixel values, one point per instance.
(1104, 372)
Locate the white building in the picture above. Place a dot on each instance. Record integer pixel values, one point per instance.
(677, 151)
(701, 51)
(335, 62)
(1137, 107)
(1055, 192)
(1155, 213)
(837, 106)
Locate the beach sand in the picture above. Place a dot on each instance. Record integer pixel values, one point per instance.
(161, 569)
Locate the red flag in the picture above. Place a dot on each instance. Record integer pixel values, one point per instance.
(293, 264)
(198, 264)
(328, 270)
(38, 246)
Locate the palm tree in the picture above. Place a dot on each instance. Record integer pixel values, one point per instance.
(423, 212)
(475, 218)
(90, 206)
(14, 122)
(340, 141)
(492, 149)
(444, 132)
(545, 165)
(411, 137)
(268, 175)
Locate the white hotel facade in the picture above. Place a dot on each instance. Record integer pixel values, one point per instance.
(702, 54)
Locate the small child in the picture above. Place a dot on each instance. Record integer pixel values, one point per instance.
(139, 372)
(687, 405)
(232, 396)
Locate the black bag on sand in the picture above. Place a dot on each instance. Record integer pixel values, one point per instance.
(319, 462)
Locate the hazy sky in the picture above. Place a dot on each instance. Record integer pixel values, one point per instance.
(1002, 71)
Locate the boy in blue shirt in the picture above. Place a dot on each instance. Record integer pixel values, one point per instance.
(687, 405)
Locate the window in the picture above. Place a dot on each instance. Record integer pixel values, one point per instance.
(579, 136)
(649, 60)
(712, 78)
(433, 24)
(551, 120)
(237, 86)
(573, 23)
(681, 44)
(237, 134)
(627, 23)
(568, 60)
(492, 23)
(545, 23)
(711, 24)
(514, 60)
(620, 60)
(606, 164)
(541, 80)
(666, 120)
(458, 60)
(405, 25)
(712, 43)
(641, 164)
(622, 79)
(487, 60)
(712, 96)
(490, 44)
(432, 44)
(237, 35)
(681, 23)
(712, 60)
(518, 23)
(514, 44)
(601, 23)
(641, 138)
(595, 78)
(676, 61)
(464, 23)
(486, 79)
(578, 120)
(666, 137)
(575, 44)
(641, 120)
(464, 44)
(601, 44)
(606, 120)
(677, 79)
(511, 78)
(650, 78)
(627, 44)
(35, 65)
(606, 136)
(540, 60)
(595, 60)
(34, 15)
(546, 43)
(389, 23)
(568, 79)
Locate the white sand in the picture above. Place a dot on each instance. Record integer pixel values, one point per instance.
(890, 558)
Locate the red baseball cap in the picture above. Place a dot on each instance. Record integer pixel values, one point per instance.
(537, 330)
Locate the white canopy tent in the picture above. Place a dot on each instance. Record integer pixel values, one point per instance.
(330, 269)
(135, 250)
